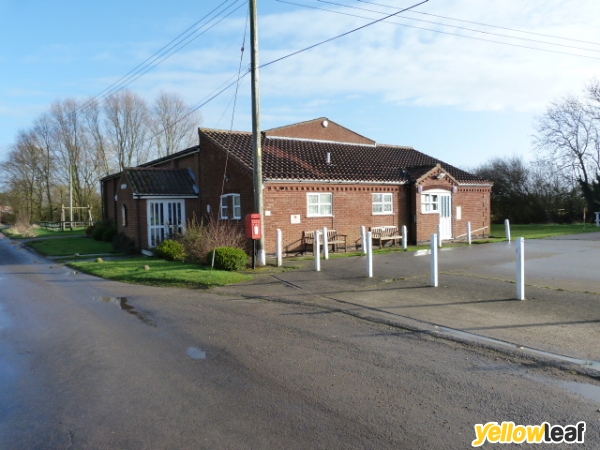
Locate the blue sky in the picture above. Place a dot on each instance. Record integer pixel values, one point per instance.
(460, 99)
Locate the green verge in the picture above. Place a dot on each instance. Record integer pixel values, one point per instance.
(71, 246)
(41, 232)
(161, 273)
(539, 231)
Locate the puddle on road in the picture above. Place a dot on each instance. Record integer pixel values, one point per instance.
(196, 353)
(121, 302)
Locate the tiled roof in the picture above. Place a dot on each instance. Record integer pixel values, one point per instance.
(305, 160)
(168, 182)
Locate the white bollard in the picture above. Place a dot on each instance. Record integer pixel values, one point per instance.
(434, 260)
(439, 236)
(279, 248)
(469, 233)
(325, 243)
(317, 251)
(404, 238)
(507, 229)
(521, 269)
(597, 218)
(363, 236)
(370, 254)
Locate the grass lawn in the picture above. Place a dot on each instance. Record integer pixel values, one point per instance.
(42, 232)
(161, 273)
(71, 246)
(535, 231)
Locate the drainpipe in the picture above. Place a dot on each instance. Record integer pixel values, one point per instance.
(139, 223)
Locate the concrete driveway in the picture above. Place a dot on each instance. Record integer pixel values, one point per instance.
(476, 294)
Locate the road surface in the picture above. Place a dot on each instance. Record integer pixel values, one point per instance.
(95, 364)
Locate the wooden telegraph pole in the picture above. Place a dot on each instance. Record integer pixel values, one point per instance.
(256, 145)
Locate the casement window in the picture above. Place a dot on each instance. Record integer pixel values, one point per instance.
(231, 203)
(383, 204)
(319, 205)
(123, 216)
(430, 203)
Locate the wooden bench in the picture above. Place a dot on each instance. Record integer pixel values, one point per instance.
(333, 238)
(386, 233)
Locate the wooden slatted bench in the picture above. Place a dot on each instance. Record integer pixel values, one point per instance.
(333, 238)
(386, 233)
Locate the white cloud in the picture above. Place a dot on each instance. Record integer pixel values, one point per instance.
(417, 67)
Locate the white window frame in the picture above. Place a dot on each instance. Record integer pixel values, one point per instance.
(385, 199)
(430, 203)
(235, 206)
(321, 204)
(158, 212)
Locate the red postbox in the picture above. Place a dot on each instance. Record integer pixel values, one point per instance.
(253, 226)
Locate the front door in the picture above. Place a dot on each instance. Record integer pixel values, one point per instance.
(445, 216)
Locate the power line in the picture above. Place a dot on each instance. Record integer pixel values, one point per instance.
(442, 32)
(488, 25)
(175, 45)
(343, 34)
(465, 28)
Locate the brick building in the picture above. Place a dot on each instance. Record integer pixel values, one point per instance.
(316, 174)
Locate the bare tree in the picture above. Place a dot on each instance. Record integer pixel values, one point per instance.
(567, 135)
(74, 153)
(174, 124)
(127, 127)
(98, 140)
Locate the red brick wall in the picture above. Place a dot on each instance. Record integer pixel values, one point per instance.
(476, 208)
(314, 129)
(220, 175)
(474, 203)
(352, 208)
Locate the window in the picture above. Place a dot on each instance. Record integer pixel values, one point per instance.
(236, 206)
(383, 204)
(320, 205)
(430, 203)
(123, 216)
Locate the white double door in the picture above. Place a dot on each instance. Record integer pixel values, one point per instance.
(165, 219)
(445, 216)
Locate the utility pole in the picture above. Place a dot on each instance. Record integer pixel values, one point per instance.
(256, 146)
(71, 196)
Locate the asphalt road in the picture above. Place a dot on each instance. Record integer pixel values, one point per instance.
(89, 363)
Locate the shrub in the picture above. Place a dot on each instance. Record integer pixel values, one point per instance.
(109, 233)
(170, 250)
(89, 231)
(124, 244)
(228, 258)
(200, 238)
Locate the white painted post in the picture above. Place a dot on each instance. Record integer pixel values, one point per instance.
(597, 218)
(317, 251)
(370, 254)
(439, 235)
(279, 248)
(404, 238)
(521, 269)
(325, 243)
(469, 233)
(507, 229)
(434, 260)
(363, 236)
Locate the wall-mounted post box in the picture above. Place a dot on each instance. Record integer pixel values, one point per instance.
(253, 226)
